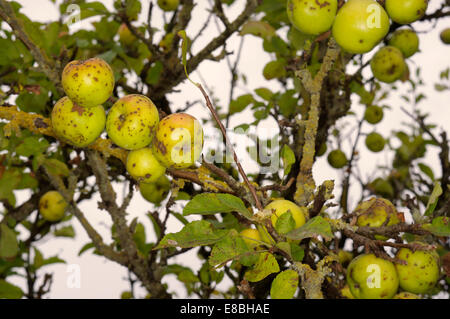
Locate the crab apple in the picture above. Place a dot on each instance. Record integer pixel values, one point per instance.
(346, 293)
(77, 125)
(312, 16)
(52, 206)
(373, 114)
(445, 36)
(251, 237)
(143, 166)
(337, 159)
(126, 37)
(376, 212)
(282, 206)
(155, 192)
(88, 83)
(168, 5)
(375, 142)
(406, 11)
(406, 40)
(360, 25)
(405, 295)
(388, 64)
(322, 149)
(178, 140)
(371, 277)
(131, 121)
(344, 256)
(421, 272)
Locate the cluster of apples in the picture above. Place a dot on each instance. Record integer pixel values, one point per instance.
(359, 25)
(132, 123)
(371, 277)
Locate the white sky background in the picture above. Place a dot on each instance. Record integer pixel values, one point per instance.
(101, 278)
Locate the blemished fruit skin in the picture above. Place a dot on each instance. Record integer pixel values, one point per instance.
(406, 40)
(143, 166)
(77, 125)
(282, 206)
(178, 140)
(337, 159)
(168, 5)
(360, 25)
(406, 11)
(155, 192)
(421, 273)
(251, 236)
(312, 16)
(373, 114)
(132, 121)
(88, 83)
(370, 277)
(375, 142)
(374, 212)
(52, 206)
(405, 295)
(126, 38)
(445, 36)
(388, 64)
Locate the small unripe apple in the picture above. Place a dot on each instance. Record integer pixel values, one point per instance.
(132, 121)
(282, 206)
(126, 37)
(322, 149)
(52, 206)
(344, 256)
(155, 192)
(388, 64)
(178, 141)
(421, 273)
(77, 125)
(371, 277)
(312, 16)
(337, 159)
(375, 212)
(360, 25)
(405, 295)
(375, 142)
(143, 166)
(406, 40)
(406, 11)
(345, 292)
(88, 83)
(251, 237)
(166, 42)
(168, 5)
(373, 114)
(445, 36)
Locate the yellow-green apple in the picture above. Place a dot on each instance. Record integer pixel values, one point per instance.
(52, 206)
(445, 36)
(337, 159)
(360, 25)
(168, 5)
(178, 141)
(388, 64)
(406, 11)
(88, 83)
(132, 121)
(373, 114)
(143, 166)
(155, 192)
(312, 16)
(251, 237)
(421, 272)
(371, 277)
(405, 295)
(282, 206)
(375, 142)
(406, 40)
(75, 124)
(126, 37)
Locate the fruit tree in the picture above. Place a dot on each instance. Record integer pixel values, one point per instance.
(327, 201)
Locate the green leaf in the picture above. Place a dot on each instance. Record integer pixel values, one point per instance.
(434, 197)
(154, 73)
(316, 226)
(85, 248)
(9, 247)
(297, 252)
(140, 238)
(239, 104)
(211, 203)
(229, 248)
(440, 226)
(284, 285)
(288, 103)
(258, 28)
(56, 167)
(288, 156)
(196, 233)
(264, 93)
(53, 260)
(38, 259)
(285, 223)
(266, 265)
(31, 102)
(9, 180)
(426, 170)
(66, 231)
(9, 291)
